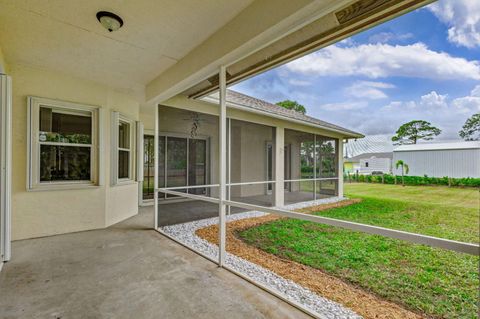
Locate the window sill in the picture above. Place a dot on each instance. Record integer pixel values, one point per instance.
(62, 187)
(125, 183)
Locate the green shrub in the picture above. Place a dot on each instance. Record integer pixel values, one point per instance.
(417, 180)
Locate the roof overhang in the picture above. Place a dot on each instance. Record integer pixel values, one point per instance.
(306, 28)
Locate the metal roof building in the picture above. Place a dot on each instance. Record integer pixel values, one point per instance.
(457, 159)
(369, 144)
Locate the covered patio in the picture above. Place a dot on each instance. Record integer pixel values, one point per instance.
(161, 78)
(126, 271)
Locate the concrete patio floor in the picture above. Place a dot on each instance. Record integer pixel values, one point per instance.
(125, 271)
(178, 212)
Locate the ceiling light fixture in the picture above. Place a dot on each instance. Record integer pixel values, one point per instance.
(110, 21)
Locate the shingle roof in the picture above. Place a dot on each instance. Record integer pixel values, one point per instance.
(246, 101)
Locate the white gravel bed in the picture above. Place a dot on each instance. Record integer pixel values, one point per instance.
(185, 233)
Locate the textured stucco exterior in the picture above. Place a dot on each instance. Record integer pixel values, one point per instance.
(3, 63)
(249, 139)
(43, 213)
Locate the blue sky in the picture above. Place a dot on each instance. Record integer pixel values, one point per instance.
(424, 65)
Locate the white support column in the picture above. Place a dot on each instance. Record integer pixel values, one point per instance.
(279, 166)
(229, 167)
(5, 166)
(155, 160)
(340, 167)
(315, 166)
(222, 165)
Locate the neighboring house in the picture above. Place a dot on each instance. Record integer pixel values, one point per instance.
(368, 163)
(456, 159)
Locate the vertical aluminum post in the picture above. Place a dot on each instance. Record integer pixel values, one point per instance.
(155, 160)
(222, 165)
(229, 172)
(340, 167)
(314, 166)
(5, 166)
(279, 189)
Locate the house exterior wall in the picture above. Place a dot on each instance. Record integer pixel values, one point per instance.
(185, 103)
(3, 63)
(253, 157)
(440, 163)
(348, 168)
(177, 121)
(248, 147)
(383, 165)
(43, 213)
(250, 160)
(295, 167)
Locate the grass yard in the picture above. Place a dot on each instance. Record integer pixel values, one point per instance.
(431, 281)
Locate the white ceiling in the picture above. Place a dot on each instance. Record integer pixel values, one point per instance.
(65, 36)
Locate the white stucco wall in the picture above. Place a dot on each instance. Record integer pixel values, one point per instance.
(253, 157)
(248, 141)
(3, 63)
(42, 213)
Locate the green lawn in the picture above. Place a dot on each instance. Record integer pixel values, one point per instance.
(439, 283)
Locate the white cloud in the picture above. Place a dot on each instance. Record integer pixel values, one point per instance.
(447, 114)
(443, 112)
(344, 106)
(347, 42)
(434, 103)
(396, 105)
(467, 104)
(433, 100)
(369, 90)
(463, 19)
(297, 82)
(384, 37)
(384, 60)
(476, 91)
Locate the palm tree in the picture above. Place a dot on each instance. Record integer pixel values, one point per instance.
(404, 169)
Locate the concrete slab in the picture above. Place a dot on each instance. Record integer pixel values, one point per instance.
(125, 271)
(179, 212)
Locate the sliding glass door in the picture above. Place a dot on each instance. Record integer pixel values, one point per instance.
(148, 167)
(197, 165)
(176, 162)
(183, 161)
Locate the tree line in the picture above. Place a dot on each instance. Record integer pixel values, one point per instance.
(413, 131)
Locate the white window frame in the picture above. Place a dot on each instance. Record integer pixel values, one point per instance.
(5, 167)
(118, 118)
(33, 145)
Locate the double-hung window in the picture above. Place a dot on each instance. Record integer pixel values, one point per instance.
(123, 142)
(63, 144)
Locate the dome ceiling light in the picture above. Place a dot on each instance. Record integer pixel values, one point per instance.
(109, 21)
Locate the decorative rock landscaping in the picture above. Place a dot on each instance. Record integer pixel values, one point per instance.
(185, 233)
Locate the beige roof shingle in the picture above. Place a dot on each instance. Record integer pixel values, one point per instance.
(243, 100)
